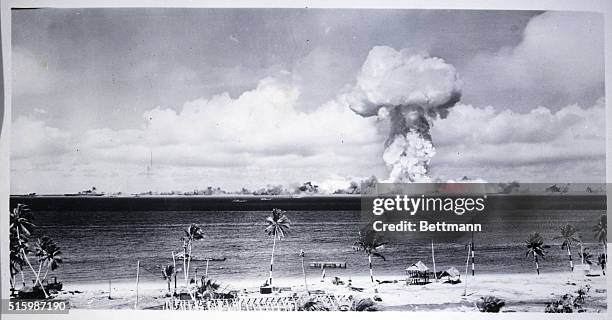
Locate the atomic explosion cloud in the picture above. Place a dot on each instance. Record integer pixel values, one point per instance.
(411, 91)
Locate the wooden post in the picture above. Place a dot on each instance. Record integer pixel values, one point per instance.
(433, 258)
(472, 246)
(304, 271)
(467, 262)
(322, 272)
(109, 289)
(174, 264)
(137, 275)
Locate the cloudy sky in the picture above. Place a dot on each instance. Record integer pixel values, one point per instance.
(249, 97)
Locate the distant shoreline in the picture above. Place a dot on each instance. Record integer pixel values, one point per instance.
(286, 202)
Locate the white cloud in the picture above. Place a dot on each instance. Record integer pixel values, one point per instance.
(560, 59)
(483, 142)
(32, 138)
(257, 138)
(267, 135)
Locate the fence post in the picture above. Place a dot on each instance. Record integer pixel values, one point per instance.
(137, 275)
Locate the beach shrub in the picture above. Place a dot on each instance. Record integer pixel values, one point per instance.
(366, 304)
(569, 303)
(208, 290)
(563, 305)
(581, 295)
(490, 304)
(312, 304)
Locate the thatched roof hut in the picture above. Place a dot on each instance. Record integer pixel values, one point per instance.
(418, 273)
(451, 272)
(452, 275)
(419, 266)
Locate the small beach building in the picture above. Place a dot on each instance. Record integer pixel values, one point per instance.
(451, 275)
(417, 274)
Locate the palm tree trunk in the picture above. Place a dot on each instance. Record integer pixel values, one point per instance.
(605, 253)
(536, 263)
(272, 259)
(371, 273)
(40, 270)
(25, 256)
(35, 274)
(473, 270)
(47, 272)
(22, 277)
(169, 280)
(569, 255)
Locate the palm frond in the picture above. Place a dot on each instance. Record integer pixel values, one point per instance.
(368, 241)
(601, 229)
(278, 224)
(376, 254)
(535, 244)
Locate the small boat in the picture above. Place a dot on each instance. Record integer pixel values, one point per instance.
(265, 199)
(239, 200)
(53, 286)
(209, 259)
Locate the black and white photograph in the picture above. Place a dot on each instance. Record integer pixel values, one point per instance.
(244, 159)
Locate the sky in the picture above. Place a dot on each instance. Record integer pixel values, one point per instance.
(250, 97)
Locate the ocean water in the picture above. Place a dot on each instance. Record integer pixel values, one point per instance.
(103, 245)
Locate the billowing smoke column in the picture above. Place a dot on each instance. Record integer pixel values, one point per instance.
(411, 91)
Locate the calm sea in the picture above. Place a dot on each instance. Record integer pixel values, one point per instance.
(102, 245)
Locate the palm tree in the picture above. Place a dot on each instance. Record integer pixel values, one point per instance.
(586, 256)
(48, 254)
(278, 227)
(535, 244)
(568, 234)
(17, 261)
(601, 261)
(601, 230)
(209, 289)
(601, 235)
(369, 242)
(21, 220)
(21, 226)
(193, 232)
(168, 273)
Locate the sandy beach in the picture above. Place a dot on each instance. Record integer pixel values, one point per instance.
(522, 292)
